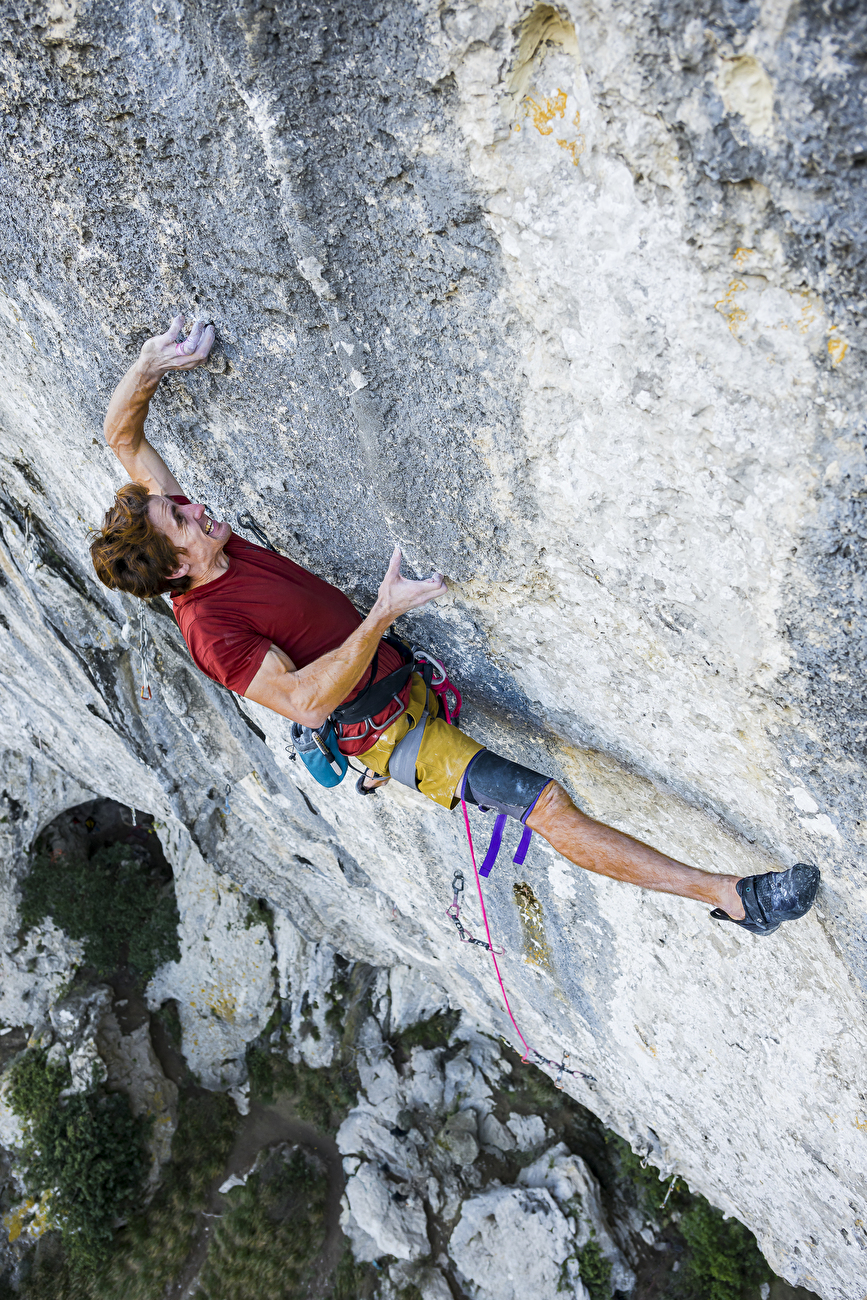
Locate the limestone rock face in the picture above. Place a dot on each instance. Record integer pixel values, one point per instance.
(223, 984)
(512, 1240)
(569, 302)
(573, 1186)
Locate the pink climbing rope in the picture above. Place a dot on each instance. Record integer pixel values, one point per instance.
(527, 1048)
(559, 1066)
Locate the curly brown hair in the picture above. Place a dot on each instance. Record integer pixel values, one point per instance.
(130, 554)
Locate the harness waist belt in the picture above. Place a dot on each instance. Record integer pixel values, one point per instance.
(374, 698)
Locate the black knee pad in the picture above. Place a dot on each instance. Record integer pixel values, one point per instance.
(498, 783)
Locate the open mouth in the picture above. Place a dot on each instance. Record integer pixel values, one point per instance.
(208, 526)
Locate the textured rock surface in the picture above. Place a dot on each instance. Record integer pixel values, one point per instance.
(132, 1067)
(82, 1031)
(509, 1240)
(574, 310)
(404, 1166)
(223, 983)
(574, 1188)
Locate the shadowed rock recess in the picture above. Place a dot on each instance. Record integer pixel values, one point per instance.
(569, 302)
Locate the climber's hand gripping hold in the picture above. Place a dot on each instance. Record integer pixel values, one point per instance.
(309, 695)
(127, 411)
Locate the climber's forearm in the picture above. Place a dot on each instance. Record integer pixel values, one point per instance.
(127, 411)
(308, 695)
(124, 430)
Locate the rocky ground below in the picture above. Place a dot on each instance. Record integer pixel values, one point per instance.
(422, 1161)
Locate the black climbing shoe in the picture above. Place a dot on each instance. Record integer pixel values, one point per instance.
(775, 897)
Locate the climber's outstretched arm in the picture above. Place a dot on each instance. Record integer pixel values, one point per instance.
(308, 695)
(127, 411)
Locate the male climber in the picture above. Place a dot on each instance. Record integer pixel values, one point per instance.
(273, 632)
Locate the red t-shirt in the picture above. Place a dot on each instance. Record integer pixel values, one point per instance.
(230, 623)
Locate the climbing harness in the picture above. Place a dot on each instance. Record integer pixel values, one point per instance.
(143, 647)
(454, 913)
(248, 523)
(530, 1053)
(403, 760)
(319, 750)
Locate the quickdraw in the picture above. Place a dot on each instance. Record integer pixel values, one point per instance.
(29, 548)
(454, 912)
(143, 644)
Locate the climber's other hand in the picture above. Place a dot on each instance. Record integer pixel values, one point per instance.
(398, 594)
(172, 351)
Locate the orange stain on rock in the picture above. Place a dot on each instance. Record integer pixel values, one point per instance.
(544, 112)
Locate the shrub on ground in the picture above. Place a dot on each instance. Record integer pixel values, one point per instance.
(35, 1085)
(433, 1032)
(721, 1256)
(149, 1253)
(352, 1280)
(322, 1097)
(87, 1150)
(107, 902)
(267, 1242)
(595, 1270)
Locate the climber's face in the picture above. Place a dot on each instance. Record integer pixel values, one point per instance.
(197, 536)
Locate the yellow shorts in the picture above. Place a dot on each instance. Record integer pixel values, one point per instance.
(443, 755)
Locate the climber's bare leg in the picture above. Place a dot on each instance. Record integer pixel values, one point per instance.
(599, 848)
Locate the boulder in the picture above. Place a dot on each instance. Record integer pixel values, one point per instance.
(512, 1242)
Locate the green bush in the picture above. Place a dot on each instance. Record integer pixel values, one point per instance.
(322, 1097)
(149, 1253)
(90, 1152)
(268, 1241)
(87, 1150)
(595, 1270)
(352, 1280)
(434, 1032)
(35, 1084)
(107, 902)
(722, 1257)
